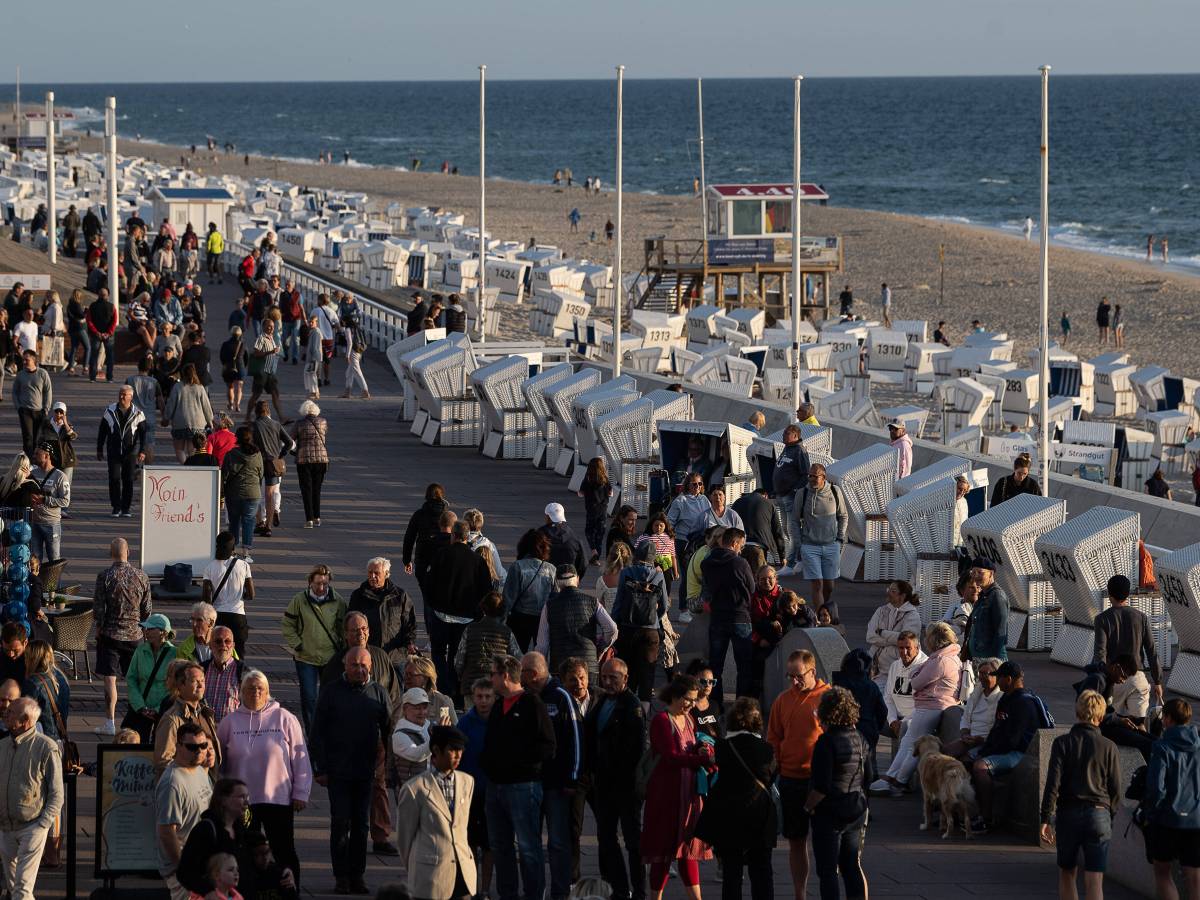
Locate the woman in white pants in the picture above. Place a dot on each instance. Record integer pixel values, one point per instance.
(935, 685)
(355, 345)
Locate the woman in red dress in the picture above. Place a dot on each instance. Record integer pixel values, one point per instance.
(672, 804)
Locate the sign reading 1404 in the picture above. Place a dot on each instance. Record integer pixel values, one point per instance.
(1058, 565)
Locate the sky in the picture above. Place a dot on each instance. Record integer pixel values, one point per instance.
(407, 40)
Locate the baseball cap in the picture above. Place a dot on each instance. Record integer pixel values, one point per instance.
(567, 570)
(157, 620)
(980, 563)
(415, 697)
(1010, 669)
(555, 512)
(57, 406)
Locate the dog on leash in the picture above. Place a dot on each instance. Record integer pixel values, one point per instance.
(946, 783)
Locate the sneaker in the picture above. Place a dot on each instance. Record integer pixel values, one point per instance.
(308, 524)
(685, 617)
(247, 557)
(881, 786)
(116, 514)
(107, 728)
(126, 514)
(317, 522)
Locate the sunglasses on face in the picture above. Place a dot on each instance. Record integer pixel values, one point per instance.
(706, 682)
(196, 748)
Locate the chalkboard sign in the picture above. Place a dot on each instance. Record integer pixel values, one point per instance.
(126, 837)
(180, 517)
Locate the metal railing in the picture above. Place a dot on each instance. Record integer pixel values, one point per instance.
(382, 325)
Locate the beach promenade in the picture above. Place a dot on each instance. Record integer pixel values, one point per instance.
(376, 479)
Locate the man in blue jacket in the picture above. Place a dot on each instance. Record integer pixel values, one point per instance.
(1019, 715)
(1172, 801)
(791, 473)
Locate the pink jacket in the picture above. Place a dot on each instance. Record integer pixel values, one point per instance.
(935, 682)
(266, 750)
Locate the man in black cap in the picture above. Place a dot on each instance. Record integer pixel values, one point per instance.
(1122, 630)
(1019, 715)
(988, 625)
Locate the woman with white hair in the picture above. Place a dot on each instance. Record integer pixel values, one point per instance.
(312, 459)
(391, 620)
(204, 617)
(263, 745)
(934, 685)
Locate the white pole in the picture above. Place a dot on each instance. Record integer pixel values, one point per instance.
(480, 305)
(17, 112)
(797, 286)
(703, 183)
(1044, 284)
(51, 192)
(110, 147)
(618, 288)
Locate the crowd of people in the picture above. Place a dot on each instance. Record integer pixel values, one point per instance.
(471, 746)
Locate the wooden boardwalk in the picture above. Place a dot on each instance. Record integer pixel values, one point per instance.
(376, 479)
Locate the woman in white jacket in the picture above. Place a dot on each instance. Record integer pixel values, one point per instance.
(897, 615)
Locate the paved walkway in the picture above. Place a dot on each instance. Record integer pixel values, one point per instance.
(376, 480)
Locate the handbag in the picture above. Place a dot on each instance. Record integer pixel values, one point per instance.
(278, 467)
(139, 721)
(177, 577)
(70, 750)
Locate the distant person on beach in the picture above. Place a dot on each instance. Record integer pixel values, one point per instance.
(1164, 250)
(1118, 327)
(885, 301)
(939, 334)
(346, 157)
(557, 176)
(1103, 312)
(416, 164)
(846, 299)
(609, 229)
(445, 167)
(595, 185)
(696, 186)
(573, 217)
(1065, 325)
(1028, 228)
(1149, 248)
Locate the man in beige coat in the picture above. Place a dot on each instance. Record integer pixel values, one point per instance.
(432, 816)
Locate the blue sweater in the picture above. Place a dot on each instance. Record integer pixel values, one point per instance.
(1173, 779)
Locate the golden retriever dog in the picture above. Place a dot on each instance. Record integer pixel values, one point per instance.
(945, 782)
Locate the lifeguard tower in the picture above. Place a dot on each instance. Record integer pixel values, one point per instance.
(747, 254)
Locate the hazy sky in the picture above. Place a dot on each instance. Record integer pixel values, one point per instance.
(319, 40)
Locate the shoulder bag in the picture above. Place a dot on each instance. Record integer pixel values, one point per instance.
(139, 721)
(772, 791)
(224, 578)
(70, 750)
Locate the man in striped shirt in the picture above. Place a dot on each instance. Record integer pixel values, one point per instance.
(222, 674)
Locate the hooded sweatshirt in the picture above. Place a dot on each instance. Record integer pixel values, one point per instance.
(904, 453)
(730, 585)
(935, 682)
(265, 748)
(420, 531)
(897, 687)
(1173, 779)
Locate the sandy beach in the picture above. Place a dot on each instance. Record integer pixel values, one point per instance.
(988, 275)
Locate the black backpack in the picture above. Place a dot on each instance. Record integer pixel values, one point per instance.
(641, 604)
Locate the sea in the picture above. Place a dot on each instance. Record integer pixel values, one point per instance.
(1123, 161)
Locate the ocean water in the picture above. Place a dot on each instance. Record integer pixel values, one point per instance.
(1122, 148)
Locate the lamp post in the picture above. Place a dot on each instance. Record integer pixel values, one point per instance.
(480, 306)
(1044, 288)
(114, 217)
(797, 286)
(618, 291)
(51, 190)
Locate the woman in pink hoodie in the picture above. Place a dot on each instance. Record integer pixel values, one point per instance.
(935, 689)
(263, 745)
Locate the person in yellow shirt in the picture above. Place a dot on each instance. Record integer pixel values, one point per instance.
(214, 246)
(792, 733)
(806, 413)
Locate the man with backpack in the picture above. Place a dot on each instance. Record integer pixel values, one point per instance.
(820, 515)
(730, 585)
(638, 610)
(1019, 715)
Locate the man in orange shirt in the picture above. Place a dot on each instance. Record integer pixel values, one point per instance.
(793, 732)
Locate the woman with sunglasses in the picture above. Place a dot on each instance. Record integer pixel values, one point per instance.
(706, 717)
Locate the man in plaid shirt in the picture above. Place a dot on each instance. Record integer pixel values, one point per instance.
(222, 674)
